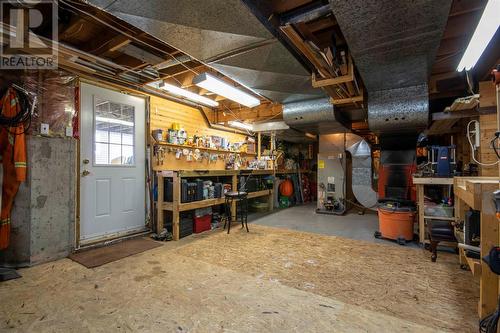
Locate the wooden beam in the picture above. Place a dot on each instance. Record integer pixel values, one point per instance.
(463, 113)
(334, 81)
(349, 100)
(306, 50)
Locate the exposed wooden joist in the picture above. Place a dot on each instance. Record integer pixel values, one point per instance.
(349, 100)
(463, 113)
(334, 81)
(306, 50)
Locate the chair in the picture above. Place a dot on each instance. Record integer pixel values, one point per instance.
(439, 231)
(241, 199)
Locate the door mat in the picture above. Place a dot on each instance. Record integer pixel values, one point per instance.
(106, 254)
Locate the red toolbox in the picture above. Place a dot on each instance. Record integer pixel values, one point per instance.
(202, 223)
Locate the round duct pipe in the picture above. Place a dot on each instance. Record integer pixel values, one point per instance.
(315, 115)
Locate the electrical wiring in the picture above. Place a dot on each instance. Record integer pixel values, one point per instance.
(489, 323)
(472, 148)
(127, 34)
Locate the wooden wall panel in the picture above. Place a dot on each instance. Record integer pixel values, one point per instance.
(164, 112)
(488, 126)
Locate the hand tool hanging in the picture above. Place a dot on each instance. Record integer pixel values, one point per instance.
(16, 109)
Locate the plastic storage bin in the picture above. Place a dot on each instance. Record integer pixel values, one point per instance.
(202, 223)
(439, 211)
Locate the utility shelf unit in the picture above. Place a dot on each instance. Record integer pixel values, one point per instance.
(176, 206)
(420, 183)
(477, 193)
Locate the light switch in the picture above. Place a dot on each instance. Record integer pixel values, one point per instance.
(69, 131)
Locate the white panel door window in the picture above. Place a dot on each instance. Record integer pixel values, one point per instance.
(112, 164)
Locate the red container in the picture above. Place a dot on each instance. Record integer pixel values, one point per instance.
(202, 223)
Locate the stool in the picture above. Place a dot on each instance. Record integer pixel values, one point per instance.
(241, 199)
(439, 231)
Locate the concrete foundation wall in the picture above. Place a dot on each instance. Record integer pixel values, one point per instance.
(43, 217)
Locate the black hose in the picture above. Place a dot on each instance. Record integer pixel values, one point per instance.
(489, 323)
(23, 117)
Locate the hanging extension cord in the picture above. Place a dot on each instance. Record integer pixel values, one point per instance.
(489, 323)
(473, 148)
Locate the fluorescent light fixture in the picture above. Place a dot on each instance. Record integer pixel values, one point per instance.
(241, 125)
(184, 93)
(213, 84)
(487, 27)
(114, 121)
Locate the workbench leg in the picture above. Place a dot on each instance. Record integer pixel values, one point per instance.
(159, 204)
(488, 287)
(234, 216)
(270, 200)
(421, 221)
(175, 207)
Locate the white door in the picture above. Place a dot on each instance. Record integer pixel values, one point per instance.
(112, 163)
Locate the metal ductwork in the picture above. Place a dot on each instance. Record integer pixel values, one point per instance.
(225, 35)
(362, 173)
(313, 116)
(393, 44)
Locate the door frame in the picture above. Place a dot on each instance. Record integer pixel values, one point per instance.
(147, 216)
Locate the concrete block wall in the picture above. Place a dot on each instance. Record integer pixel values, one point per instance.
(43, 217)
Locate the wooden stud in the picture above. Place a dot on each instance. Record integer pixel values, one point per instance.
(175, 208)
(349, 100)
(159, 203)
(488, 290)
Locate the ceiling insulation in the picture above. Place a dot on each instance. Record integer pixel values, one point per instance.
(227, 36)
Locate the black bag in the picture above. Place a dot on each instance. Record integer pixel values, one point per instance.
(184, 190)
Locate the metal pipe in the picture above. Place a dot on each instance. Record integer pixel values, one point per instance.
(469, 247)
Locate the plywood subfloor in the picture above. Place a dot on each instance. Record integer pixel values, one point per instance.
(268, 280)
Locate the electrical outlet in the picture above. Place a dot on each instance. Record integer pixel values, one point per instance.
(44, 129)
(69, 131)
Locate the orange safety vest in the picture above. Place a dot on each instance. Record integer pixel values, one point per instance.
(13, 156)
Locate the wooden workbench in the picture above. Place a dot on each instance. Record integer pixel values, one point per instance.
(176, 206)
(477, 193)
(420, 183)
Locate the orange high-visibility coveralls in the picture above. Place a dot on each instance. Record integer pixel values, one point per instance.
(13, 154)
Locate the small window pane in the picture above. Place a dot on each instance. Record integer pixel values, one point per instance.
(114, 133)
(115, 154)
(128, 155)
(101, 153)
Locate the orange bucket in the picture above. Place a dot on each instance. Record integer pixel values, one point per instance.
(396, 223)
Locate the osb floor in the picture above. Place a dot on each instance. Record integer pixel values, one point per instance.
(268, 280)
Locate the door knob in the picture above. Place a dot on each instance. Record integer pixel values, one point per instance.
(86, 161)
(85, 173)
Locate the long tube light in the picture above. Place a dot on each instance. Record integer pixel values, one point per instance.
(185, 93)
(485, 30)
(213, 84)
(239, 124)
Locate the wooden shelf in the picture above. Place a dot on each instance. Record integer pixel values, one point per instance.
(474, 264)
(257, 194)
(432, 181)
(176, 206)
(443, 218)
(210, 202)
(215, 150)
(286, 172)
